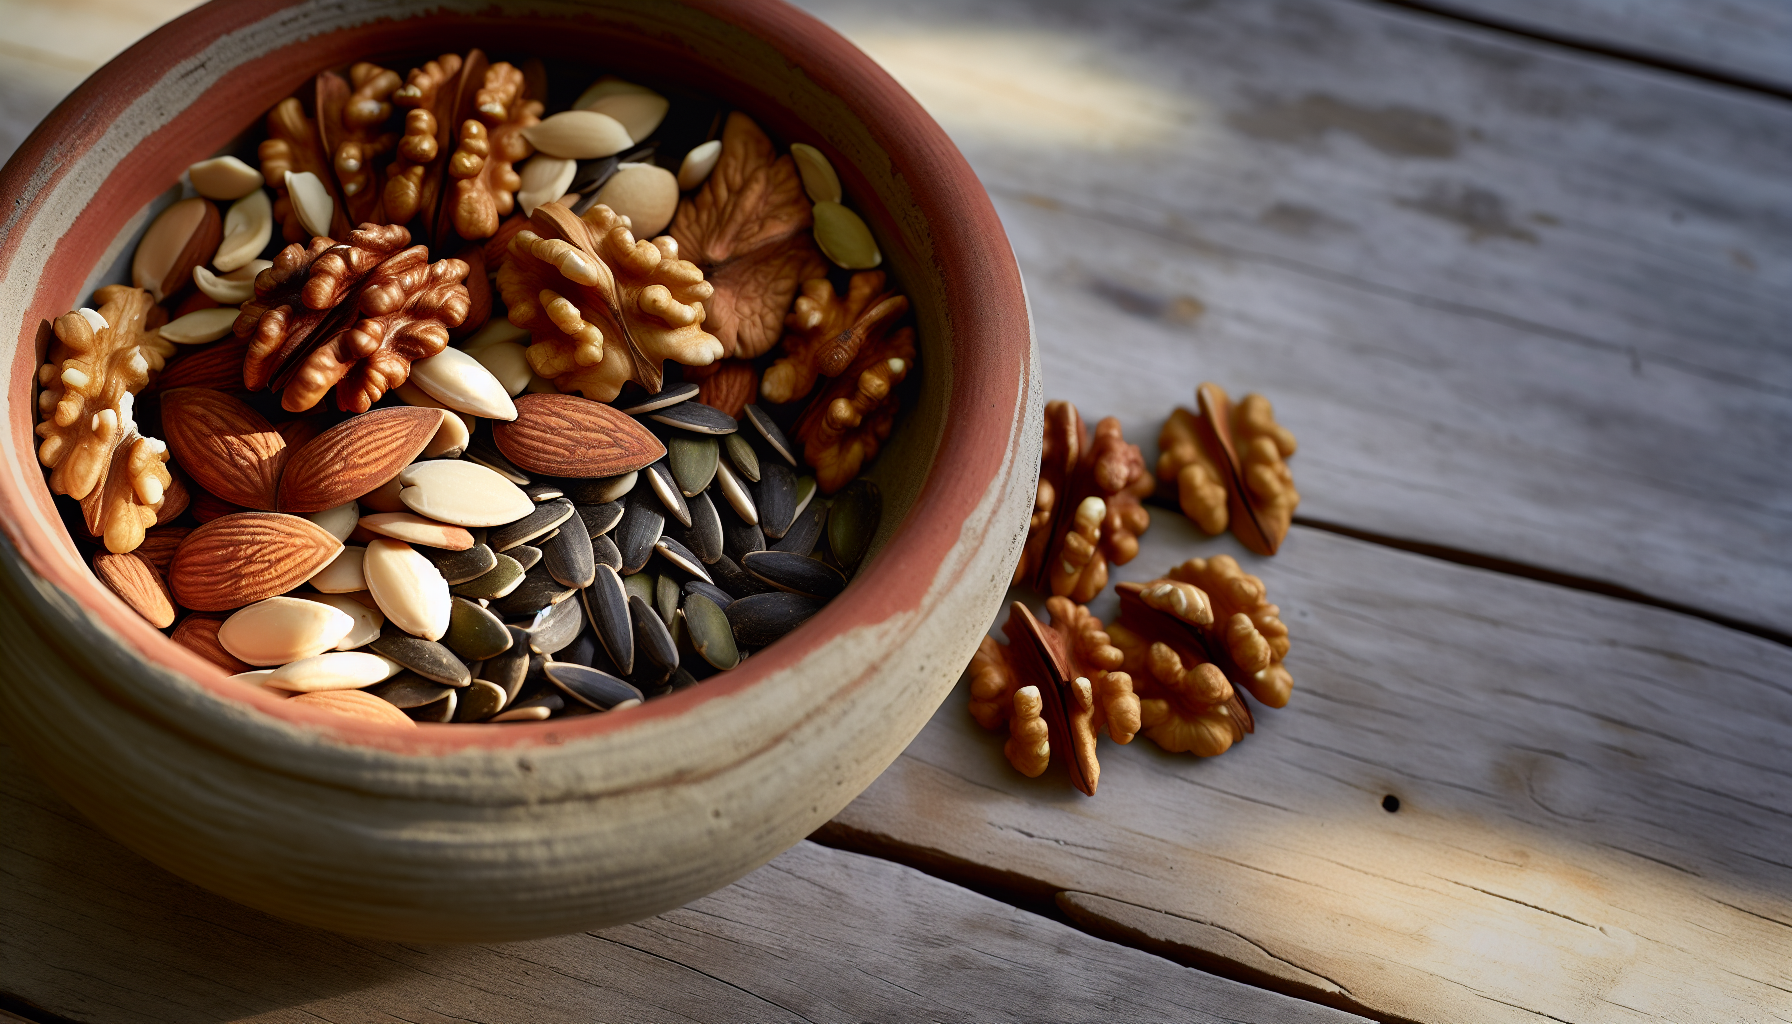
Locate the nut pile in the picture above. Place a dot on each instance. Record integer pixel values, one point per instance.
(1186, 646)
(522, 415)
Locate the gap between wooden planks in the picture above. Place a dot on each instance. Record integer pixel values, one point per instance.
(1594, 805)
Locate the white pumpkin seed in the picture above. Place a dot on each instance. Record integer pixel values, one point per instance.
(698, 163)
(344, 574)
(311, 201)
(545, 179)
(639, 113)
(844, 238)
(200, 326)
(224, 177)
(368, 619)
(819, 179)
(254, 677)
(248, 226)
(283, 629)
(410, 592)
(579, 135)
(608, 85)
(459, 382)
(452, 437)
(415, 529)
(644, 193)
(338, 522)
(463, 493)
(336, 670)
(509, 362)
(234, 288)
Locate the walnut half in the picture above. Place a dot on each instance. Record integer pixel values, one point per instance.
(1087, 509)
(1227, 466)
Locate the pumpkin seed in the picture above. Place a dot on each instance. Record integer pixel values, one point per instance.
(606, 606)
(462, 493)
(696, 418)
(537, 591)
(338, 522)
(843, 237)
(693, 462)
(642, 523)
(704, 536)
(852, 522)
(776, 499)
(604, 552)
(479, 701)
(737, 495)
(710, 632)
(578, 135)
(819, 179)
(441, 710)
(681, 556)
(424, 657)
(410, 592)
(535, 523)
(497, 582)
(458, 567)
(600, 519)
(769, 432)
(345, 574)
(600, 690)
(659, 478)
(666, 593)
(368, 621)
(804, 532)
(602, 490)
(642, 585)
(474, 633)
(798, 574)
(716, 594)
(409, 690)
(554, 627)
(740, 452)
(760, 619)
(569, 557)
(635, 401)
(334, 670)
(418, 531)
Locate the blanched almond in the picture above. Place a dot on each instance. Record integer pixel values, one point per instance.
(608, 85)
(224, 177)
(343, 575)
(698, 163)
(311, 201)
(201, 325)
(358, 606)
(410, 592)
(234, 288)
(248, 226)
(639, 113)
(452, 437)
(579, 135)
(332, 670)
(509, 362)
(458, 381)
(463, 493)
(180, 238)
(544, 179)
(283, 629)
(644, 193)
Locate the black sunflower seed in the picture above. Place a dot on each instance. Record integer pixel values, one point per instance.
(602, 490)
(637, 402)
(409, 690)
(776, 498)
(569, 557)
(604, 552)
(599, 690)
(554, 627)
(583, 649)
(762, 423)
(737, 495)
(482, 450)
(763, 618)
(427, 658)
(736, 581)
(681, 557)
(659, 479)
(656, 654)
(458, 567)
(721, 597)
(547, 516)
(600, 519)
(539, 493)
(704, 535)
(606, 605)
(696, 418)
(798, 574)
(537, 591)
(440, 710)
(509, 669)
(526, 555)
(738, 537)
(643, 521)
(804, 531)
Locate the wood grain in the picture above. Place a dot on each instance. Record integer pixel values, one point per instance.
(92, 932)
(1513, 300)
(1593, 804)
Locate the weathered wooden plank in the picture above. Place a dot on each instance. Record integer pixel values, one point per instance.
(1513, 300)
(1594, 808)
(1748, 39)
(92, 932)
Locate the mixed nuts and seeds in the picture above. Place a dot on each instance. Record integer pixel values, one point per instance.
(524, 415)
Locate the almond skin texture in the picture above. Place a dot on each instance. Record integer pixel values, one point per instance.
(159, 543)
(244, 557)
(226, 447)
(355, 456)
(199, 633)
(139, 584)
(356, 704)
(218, 366)
(565, 435)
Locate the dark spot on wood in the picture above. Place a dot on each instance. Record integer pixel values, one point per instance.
(1390, 803)
(1395, 130)
(1295, 220)
(1481, 211)
(1181, 310)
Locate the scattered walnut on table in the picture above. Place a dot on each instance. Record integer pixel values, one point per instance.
(1087, 509)
(1228, 466)
(825, 332)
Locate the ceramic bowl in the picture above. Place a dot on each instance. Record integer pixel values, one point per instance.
(491, 833)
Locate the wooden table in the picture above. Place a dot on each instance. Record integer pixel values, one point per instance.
(1519, 276)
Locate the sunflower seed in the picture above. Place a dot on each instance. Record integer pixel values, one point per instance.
(681, 678)
(710, 632)
(474, 633)
(681, 556)
(510, 669)
(776, 499)
(740, 452)
(852, 522)
(600, 519)
(554, 627)
(738, 496)
(569, 557)
(798, 574)
(641, 526)
(409, 690)
(805, 493)
(526, 555)
(604, 489)
(693, 462)
(537, 591)
(543, 517)
(600, 690)
(716, 594)
(604, 552)
(738, 537)
(636, 402)
(804, 532)
(427, 658)
(606, 606)
(704, 536)
(656, 654)
(503, 578)
(659, 477)
(482, 450)
(458, 567)
(762, 618)
(584, 648)
(696, 418)
(770, 432)
(736, 581)
(591, 175)
(666, 593)
(479, 701)
(439, 711)
(539, 493)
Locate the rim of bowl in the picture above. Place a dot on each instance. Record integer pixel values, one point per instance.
(986, 308)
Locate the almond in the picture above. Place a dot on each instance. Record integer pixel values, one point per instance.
(565, 435)
(355, 457)
(218, 366)
(207, 506)
(355, 704)
(228, 448)
(181, 237)
(139, 584)
(247, 556)
(199, 633)
(159, 543)
(175, 497)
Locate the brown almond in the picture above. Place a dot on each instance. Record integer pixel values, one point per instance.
(226, 447)
(181, 237)
(207, 506)
(356, 456)
(218, 366)
(301, 431)
(139, 584)
(355, 704)
(241, 558)
(199, 633)
(175, 497)
(565, 435)
(159, 543)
